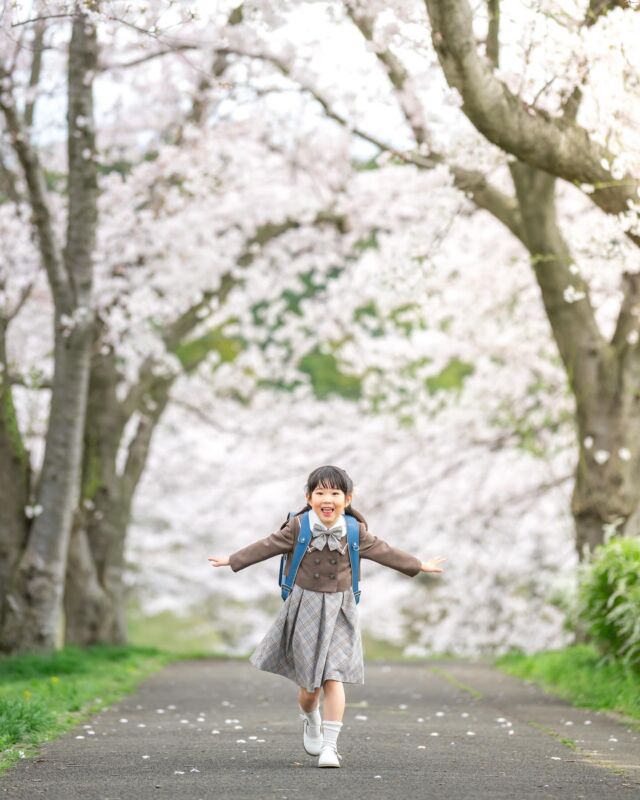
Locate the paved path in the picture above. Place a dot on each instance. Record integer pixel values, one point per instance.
(448, 730)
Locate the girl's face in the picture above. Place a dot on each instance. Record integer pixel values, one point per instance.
(328, 503)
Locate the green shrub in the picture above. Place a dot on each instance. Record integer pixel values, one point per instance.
(609, 599)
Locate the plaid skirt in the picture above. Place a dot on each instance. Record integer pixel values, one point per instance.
(315, 637)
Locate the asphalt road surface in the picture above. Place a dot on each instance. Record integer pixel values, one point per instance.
(443, 729)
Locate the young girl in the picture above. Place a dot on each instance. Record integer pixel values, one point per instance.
(315, 640)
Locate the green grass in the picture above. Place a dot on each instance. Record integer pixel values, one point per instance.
(577, 674)
(43, 695)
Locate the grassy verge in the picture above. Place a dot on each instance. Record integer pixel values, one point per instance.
(574, 673)
(43, 695)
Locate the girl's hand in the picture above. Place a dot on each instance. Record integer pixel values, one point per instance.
(219, 562)
(432, 565)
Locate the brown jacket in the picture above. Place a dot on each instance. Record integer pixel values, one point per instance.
(324, 570)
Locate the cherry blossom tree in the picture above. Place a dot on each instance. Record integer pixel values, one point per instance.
(539, 138)
(248, 215)
(261, 221)
(539, 127)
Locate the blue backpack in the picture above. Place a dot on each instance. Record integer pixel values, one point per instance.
(304, 537)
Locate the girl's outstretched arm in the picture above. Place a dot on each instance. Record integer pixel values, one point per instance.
(217, 561)
(278, 543)
(379, 550)
(432, 565)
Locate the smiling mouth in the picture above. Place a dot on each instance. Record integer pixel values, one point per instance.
(327, 510)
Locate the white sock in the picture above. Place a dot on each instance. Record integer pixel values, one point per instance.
(330, 733)
(313, 717)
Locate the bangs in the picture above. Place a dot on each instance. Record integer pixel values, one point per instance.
(329, 478)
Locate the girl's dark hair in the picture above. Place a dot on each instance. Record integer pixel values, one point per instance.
(330, 478)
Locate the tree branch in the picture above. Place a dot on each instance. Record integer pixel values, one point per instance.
(24, 296)
(37, 192)
(472, 182)
(628, 322)
(485, 196)
(400, 79)
(41, 18)
(107, 67)
(36, 67)
(83, 173)
(564, 293)
(138, 450)
(187, 322)
(557, 146)
(9, 183)
(493, 32)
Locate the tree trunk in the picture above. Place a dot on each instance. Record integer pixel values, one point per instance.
(86, 604)
(33, 600)
(95, 596)
(14, 481)
(606, 496)
(603, 375)
(34, 597)
(93, 590)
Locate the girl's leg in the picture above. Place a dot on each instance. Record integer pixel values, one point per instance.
(333, 700)
(308, 700)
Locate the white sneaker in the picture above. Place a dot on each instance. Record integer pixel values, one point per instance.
(311, 737)
(329, 757)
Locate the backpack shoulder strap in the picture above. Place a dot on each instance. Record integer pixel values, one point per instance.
(299, 550)
(353, 538)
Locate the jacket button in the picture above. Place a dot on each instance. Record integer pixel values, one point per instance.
(316, 560)
(332, 576)
(316, 574)
(333, 561)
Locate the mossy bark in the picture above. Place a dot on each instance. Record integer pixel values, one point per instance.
(14, 480)
(95, 592)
